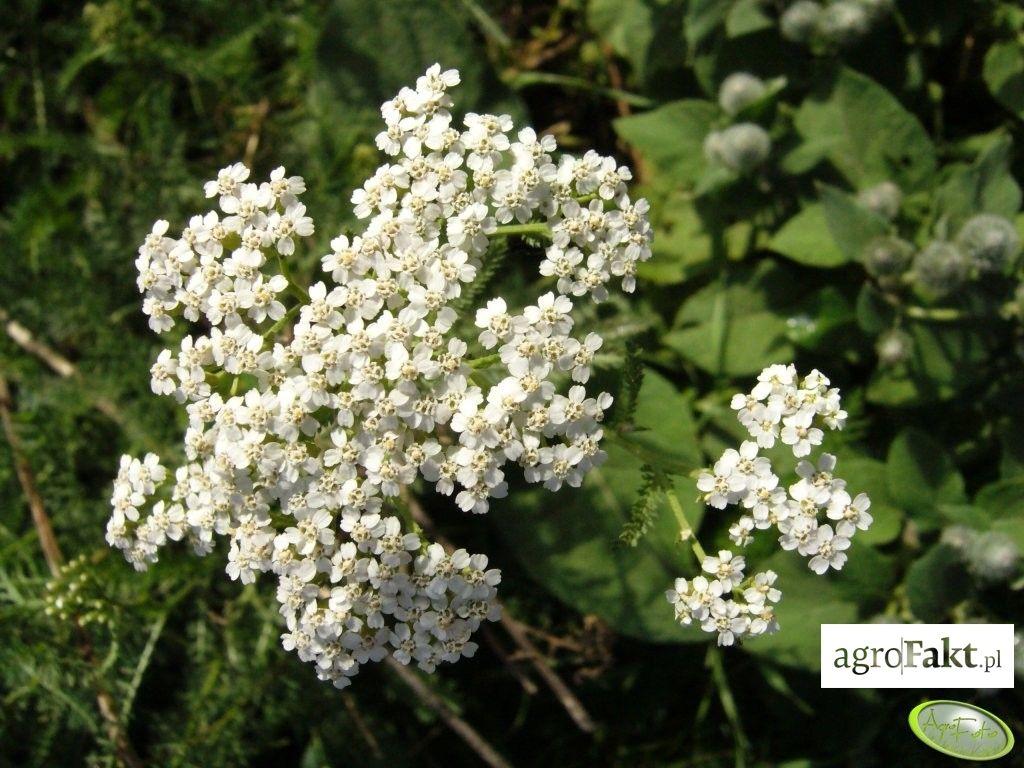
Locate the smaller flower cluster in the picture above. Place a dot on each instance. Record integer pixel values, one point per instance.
(707, 602)
(837, 23)
(781, 408)
(744, 146)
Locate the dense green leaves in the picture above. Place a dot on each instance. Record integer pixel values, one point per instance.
(1004, 75)
(113, 112)
(806, 239)
(922, 476)
(984, 186)
(866, 133)
(935, 583)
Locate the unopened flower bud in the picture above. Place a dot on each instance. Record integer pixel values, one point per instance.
(741, 148)
(738, 91)
(800, 20)
(993, 556)
(844, 22)
(894, 346)
(941, 268)
(959, 537)
(990, 242)
(887, 257)
(883, 199)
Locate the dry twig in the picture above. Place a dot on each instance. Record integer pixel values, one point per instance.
(465, 731)
(516, 631)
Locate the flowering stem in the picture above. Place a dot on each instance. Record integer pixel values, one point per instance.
(483, 362)
(943, 314)
(293, 284)
(728, 701)
(280, 323)
(686, 532)
(538, 229)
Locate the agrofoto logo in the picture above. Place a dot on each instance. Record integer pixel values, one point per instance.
(961, 730)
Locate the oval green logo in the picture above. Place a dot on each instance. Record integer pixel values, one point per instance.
(961, 730)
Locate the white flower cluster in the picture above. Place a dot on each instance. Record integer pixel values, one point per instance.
(300, 439)
(780, 408)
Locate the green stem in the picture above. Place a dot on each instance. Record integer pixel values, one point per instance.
(943, 314)
(537, 229)
(483, 362)
(728, 701)
(291, 313)
(526, 79)
(686, 531)
(297, 289)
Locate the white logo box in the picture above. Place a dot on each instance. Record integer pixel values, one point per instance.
(917, 655)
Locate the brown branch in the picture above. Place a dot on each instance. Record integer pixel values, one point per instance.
(60, 365)
(464, 730)
(126, 753)
(569, 701)
(511, 662)
(360, 723)
(41, 521)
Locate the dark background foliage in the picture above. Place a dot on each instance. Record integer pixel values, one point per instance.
(114, 112)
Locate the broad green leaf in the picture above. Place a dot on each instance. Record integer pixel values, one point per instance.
(1003, 501)
(1004, 75)
(702, 17)
(671, 139)
(686, 243)
(921, 475)
(667, 432)
(739, 327)
(868, 576)
(866, 133)
(936, 582)
(865, 475)
(627, 26)
(418, 33)
(985, 186)
(874, 313)
(751, 342)
(806, 239)
(852, 225)
(746, 16)
(945, 358)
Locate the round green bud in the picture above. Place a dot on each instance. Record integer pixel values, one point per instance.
(887, 257)
(844, 22)
(799, 22)
(883, 199)
(740, 148)
(941, 268)
(738, 91)
(894, 347)
(993, 556)
(990, 242)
